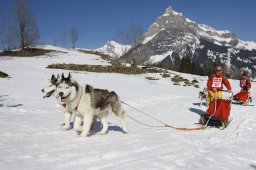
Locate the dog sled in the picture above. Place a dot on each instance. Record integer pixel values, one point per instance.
(217, 114)
(243, 97)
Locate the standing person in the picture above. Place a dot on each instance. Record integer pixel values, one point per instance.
(245, 85)
(215, 84)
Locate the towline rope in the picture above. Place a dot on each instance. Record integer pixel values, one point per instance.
(164, 124)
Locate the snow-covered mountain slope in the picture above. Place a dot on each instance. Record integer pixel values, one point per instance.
(174, 33)
(30, 139)
(114, 49)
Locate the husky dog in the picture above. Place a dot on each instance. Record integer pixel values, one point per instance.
(203, 95)
(85, 102)
(50, 90)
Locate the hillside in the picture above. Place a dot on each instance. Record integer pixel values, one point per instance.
(30, 137)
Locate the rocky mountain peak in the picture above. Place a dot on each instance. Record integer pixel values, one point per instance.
(170, 20)
(114, 49)
(174, 36)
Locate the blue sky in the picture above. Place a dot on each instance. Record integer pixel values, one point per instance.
(98, 21)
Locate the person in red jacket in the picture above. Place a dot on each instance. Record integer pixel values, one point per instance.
(245, 83)
(215, 84)
(244, 94)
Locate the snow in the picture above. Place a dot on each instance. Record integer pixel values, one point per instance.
(114, 49)
(30, 139)
(147, 39)
(176, 13)
(188, 20)
(249, 45)
(217, 37)
(157, 58)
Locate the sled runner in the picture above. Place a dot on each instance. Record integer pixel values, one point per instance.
(217, 114)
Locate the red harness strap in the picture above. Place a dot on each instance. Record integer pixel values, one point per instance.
(64, 105)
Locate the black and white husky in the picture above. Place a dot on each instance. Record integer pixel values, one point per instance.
(50, 90)
(87, 102)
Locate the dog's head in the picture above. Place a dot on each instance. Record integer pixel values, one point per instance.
(67, 89)
(203, 93)
(50, 89)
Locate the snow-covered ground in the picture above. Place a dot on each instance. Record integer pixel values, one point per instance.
(30, 138)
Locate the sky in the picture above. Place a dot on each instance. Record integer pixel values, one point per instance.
(98, 21)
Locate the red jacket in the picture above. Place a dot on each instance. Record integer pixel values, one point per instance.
(245, 84)
(217, 81)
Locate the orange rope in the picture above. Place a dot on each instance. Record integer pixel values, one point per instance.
(165, 125)
(186, 129)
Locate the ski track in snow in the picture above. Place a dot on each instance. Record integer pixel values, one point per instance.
(30, 137)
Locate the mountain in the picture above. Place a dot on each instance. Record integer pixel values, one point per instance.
(173, 36)
(113, 49)
(30, 137)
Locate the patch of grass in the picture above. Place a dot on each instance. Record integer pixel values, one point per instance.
(176, 83)
(177, 80)
(3, 75)
(103, 56)
(195, 81)
(28, 52)
(116, 68)
(196, 85)
(151, 78)
(166, 75)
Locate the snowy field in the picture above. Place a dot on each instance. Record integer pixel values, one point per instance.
(30, 138)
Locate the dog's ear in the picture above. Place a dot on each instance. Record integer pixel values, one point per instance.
(69, 76)
(58, 77)
(62, 76)
(53, 77)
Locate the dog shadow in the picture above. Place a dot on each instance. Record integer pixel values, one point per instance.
(253, 166)
(198, 104)
(197, 111)
(97, 128)
(116, 128)
(15, 105)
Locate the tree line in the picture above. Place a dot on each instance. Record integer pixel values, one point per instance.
(187, 65)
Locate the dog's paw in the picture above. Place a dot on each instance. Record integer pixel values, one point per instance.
(83, 134)
(79, 129)
(125, 131)
(65, 128)
(101, 133)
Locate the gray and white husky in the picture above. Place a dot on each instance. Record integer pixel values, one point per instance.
(87, 102)
(50, 90)
(203, 95)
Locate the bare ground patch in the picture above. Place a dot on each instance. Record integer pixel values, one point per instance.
(28, 52)
(3, 75)
(104, 69)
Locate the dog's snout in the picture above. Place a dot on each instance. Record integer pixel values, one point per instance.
(42, 90)
(61, 94)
